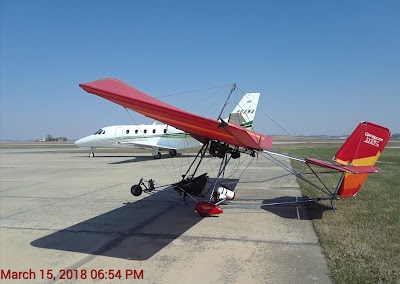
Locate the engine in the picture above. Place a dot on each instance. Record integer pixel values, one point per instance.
(223, 192)
(218, 149)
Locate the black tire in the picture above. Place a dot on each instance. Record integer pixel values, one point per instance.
(158, 156)
(172, 152)
(136, 190)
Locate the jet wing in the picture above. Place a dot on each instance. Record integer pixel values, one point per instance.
(146, 144)
(201, 128)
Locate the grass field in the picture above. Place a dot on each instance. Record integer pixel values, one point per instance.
(361, 241)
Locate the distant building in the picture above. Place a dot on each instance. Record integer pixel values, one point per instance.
(50, 138)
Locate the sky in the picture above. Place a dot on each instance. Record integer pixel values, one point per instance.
(321, 66)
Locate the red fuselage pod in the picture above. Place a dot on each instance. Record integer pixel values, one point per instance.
(207, 209)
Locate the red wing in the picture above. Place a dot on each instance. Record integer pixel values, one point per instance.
(199, 127)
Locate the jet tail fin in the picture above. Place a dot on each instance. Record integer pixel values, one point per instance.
(245, 111)
(362, 148)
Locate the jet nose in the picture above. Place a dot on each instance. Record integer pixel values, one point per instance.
(81, 142)
(78, 143)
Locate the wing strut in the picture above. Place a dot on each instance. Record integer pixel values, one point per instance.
(201, 153)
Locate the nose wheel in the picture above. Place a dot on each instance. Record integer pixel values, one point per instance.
(91, 154)
(137, 189)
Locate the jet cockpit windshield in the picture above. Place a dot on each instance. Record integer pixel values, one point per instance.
(101, 131)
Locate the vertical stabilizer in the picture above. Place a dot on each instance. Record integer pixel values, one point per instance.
(245, 111)
(362, 148)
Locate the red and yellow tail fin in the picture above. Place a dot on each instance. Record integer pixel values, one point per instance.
(362, 148)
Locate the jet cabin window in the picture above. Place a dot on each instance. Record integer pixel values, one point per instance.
(154, 131)
(145, 131)
(127, 131)
(136, 131)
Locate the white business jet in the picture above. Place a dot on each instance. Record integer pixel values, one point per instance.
(162, 137)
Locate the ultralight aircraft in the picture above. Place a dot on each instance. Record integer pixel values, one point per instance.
(228, 140)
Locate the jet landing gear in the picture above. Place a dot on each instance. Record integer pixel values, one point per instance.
(91, 154)
(172, 153)
(156, 153)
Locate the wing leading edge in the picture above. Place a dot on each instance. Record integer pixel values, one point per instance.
(200, 127)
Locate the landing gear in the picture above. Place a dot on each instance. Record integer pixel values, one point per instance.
(172, 152)
(191, 186)
(91, 154)
(157, 156)
(137, 189)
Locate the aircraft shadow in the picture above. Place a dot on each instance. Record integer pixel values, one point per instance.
(132, 159)
(107, 156)
(304, 211)
(135, 231)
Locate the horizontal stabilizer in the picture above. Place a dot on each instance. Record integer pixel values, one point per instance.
(342, 168)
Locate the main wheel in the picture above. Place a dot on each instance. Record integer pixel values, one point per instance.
(158, 156)
(136, 190)
(172, 152)
(91, 154)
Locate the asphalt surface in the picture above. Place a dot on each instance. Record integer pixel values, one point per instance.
(65, 214)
